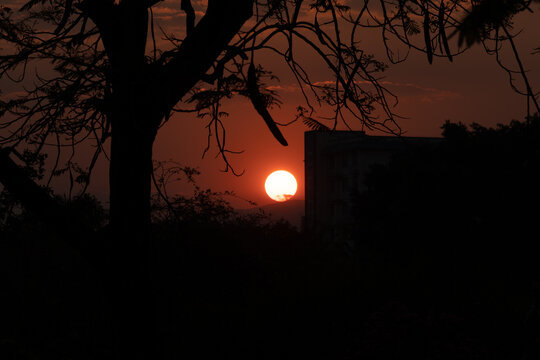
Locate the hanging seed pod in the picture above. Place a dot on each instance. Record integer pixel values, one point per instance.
(442, 33)
(258, 103)
(427, 36)
(65, 17)
(319, 33)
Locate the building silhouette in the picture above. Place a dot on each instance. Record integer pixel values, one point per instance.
(336, 163)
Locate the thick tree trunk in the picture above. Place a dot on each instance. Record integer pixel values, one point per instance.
(126, 272)
(130, 179)
(141, 96)
(130, 287)
(134, 126)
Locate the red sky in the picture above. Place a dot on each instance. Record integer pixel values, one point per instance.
(471, 89)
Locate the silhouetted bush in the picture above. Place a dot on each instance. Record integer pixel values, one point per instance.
(227, 285)
(53, 301)
(244, 286)
(445, 267)
(451, 229)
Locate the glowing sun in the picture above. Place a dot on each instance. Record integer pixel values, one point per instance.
(280, 185)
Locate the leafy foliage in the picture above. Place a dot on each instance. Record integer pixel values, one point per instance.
(314, 124)
(487, 16)
(74, 102)
(10, 208)
(201, 206)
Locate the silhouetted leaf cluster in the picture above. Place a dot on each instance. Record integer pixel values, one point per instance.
(487, 16)
(10, 207)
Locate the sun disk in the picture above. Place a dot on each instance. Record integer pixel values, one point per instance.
(280, 185)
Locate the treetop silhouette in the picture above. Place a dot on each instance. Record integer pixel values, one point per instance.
(102, 67)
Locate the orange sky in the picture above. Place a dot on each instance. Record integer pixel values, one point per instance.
(471, 89)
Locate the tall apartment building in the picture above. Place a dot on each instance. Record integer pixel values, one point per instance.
(335, 166)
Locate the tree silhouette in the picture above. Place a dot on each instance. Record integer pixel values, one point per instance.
(461, 214)
(98, 80)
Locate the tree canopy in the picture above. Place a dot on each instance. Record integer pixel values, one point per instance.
(89, 47)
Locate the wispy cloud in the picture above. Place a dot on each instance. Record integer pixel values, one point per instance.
(283, 88)
(401, 89)
(14, 95)
(422, 93)
(166, 11)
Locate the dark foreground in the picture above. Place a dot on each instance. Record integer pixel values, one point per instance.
(444, 265)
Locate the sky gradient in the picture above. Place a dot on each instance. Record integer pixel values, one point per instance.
(471, 89)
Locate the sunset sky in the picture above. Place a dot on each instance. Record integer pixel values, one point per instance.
(471, 89)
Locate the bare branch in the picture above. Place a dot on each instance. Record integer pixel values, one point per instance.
(190, 15)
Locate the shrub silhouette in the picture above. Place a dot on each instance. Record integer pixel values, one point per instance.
(450, 229)
(226, 286)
